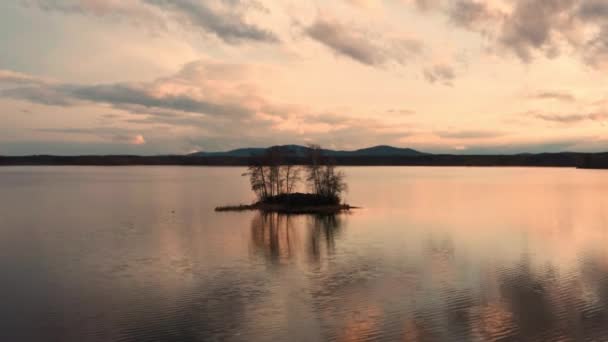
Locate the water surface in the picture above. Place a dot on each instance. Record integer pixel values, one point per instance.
(437, 254)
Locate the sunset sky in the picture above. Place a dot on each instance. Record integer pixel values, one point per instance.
(177, 76)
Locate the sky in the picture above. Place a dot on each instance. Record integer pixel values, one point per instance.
(177, 76)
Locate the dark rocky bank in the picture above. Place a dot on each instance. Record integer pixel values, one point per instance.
(296, 203)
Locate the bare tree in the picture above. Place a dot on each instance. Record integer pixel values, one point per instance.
(273, 159)
(257, 173)
(315, 156)
(291, 176)
(272, 174)
(331, 183)
(322, 177)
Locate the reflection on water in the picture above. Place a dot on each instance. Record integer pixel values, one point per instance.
(450, 254)
(273, 235)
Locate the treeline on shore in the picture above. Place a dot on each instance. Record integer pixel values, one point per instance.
(565, 159)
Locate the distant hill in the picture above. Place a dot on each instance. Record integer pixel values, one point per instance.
(301, 151)
(374, 156)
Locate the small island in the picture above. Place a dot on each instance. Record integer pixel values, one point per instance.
(274, 179)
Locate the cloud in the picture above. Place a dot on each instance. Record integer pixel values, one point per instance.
(441, 73)
(134, 11)
(469, 134)
(199, 108)
(553, 95)
(16, 78)
(532, 28)
(361, 45)
(51, 95)
(82, 147)
(471, 14)
(131, 97)
(427, 5)
(194, 89)
(529, 26)
(365, 4)
(224, 19)
(105, 133)
(549, 145)
(538, 25)
(572, 118)
(596, 49)
(345, 42)
(134, 96)
(513, 145)
(593, 9)
(403, 112)
(138, 140)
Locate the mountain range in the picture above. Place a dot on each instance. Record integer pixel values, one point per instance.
(382, 155)
(302, 151)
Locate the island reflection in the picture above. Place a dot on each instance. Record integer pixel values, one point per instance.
(276, 236)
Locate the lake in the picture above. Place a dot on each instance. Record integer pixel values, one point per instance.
(435, 254)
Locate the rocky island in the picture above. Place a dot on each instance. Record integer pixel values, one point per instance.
(296, 203)
(274, 179)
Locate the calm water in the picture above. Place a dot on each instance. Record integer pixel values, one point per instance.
(437, 254)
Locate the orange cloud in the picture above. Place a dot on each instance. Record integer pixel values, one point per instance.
(138, 140)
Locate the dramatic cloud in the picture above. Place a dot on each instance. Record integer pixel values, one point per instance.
(539, 25)
(360, 45)
(596, 49)
(198, 102)
(124, 95)
(222, 18)
(224, 21)
(273, 72)
(532, 27)
(440, 73)
(190, 90)
(471, 14)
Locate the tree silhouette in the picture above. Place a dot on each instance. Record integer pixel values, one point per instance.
(275, 174)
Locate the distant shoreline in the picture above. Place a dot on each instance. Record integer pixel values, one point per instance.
(565, 159)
